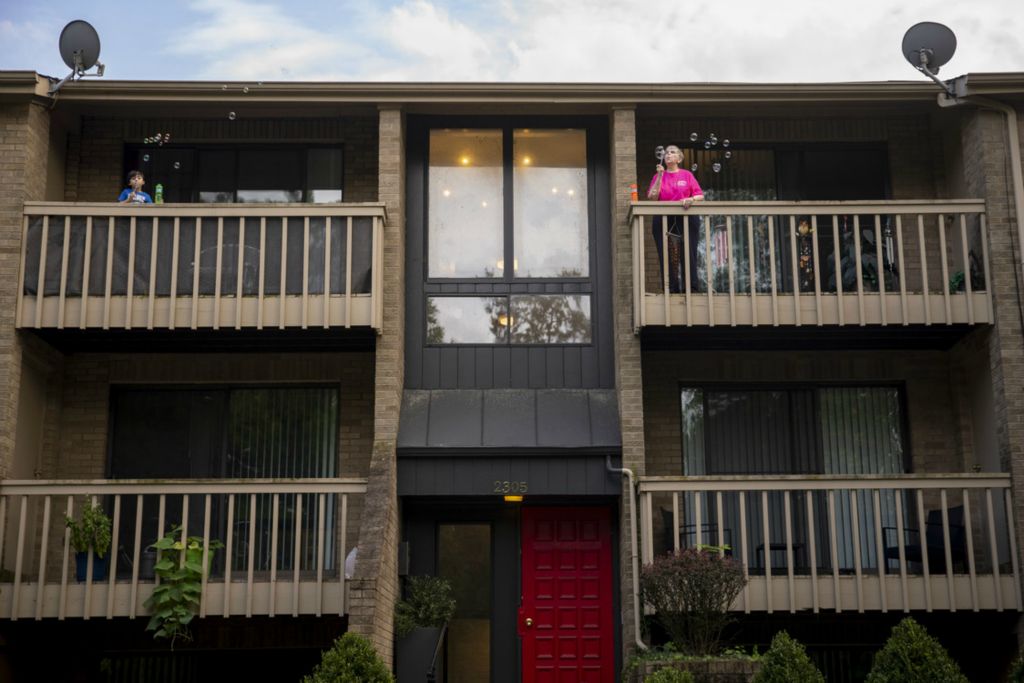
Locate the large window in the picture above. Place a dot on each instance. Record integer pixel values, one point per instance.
(507, 206)
(289, 174)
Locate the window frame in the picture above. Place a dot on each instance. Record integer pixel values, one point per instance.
(813, 386)
(508, 284)
(133, 151)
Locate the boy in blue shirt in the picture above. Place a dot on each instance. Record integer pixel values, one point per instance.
(133, 194)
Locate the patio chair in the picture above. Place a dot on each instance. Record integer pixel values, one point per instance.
(934, 545)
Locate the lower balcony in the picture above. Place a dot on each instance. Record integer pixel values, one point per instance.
(878, 263)
(200, 266)
(284, 545)
(866, 543)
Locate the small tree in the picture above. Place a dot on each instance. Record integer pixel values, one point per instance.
(786, 661)
(691, 590)
(669, 676)
(428, 603)
(911, 655)
(350, 660)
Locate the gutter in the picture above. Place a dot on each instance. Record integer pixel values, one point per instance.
(633, 545)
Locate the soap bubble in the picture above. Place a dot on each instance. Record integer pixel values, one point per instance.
(725, 143)
(145, 157)
(728, 154)
(716, 167)
(224, 87)
(158, 137)
(693, 137)
(659, 152)
(177, 165)
(707, 144)
(245, 89)
(713, 137)
(232, 116)
(259, 82)
(693, 168)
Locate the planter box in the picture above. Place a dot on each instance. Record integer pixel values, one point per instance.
(706, 670)
(99, 566)
(414, 653)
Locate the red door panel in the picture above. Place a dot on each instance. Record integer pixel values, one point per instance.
(566, 616)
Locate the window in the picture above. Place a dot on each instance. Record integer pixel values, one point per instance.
(289, 174)
(792, 430)
(506, 206)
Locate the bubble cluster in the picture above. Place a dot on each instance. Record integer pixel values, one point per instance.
(710, 142)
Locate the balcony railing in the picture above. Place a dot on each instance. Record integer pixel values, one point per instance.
(200, 266)
(284, 545)
(811, 263)
(854, 543)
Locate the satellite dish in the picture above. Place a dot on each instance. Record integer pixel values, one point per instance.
(928, 45)
(79, 45)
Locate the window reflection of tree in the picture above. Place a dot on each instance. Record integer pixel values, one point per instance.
(435, 331)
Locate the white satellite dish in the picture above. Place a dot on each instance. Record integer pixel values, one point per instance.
(79, 46)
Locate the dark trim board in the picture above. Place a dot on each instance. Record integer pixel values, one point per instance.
(497, 475)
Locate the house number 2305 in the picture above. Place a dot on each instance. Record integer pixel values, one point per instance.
(509, 486)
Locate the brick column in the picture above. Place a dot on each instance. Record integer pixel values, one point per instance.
(986, 170)
(24, 136)
(374, 588)
(628, 380)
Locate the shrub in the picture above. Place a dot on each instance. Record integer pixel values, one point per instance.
(911, 655)
(1017, 670)
(669, 676)
(691, 590)
(350, 660)
(428, 603)
(92, 533)
(786, 661)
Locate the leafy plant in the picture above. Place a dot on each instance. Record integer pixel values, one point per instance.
(669, 675)
(350, 660)
(428, 603)
(1017, 670)
(691, 590)
(176, 598)
(92, 532)
(786, 661)
(911, 655)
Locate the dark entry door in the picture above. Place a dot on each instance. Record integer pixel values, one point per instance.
(565, 620)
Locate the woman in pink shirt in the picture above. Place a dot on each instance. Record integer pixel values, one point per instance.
(674, 184)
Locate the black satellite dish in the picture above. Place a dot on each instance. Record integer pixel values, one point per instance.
(928, 46)
(79, 46)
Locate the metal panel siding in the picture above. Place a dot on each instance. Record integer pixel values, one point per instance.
(455, 418)
(510, 418)
(563, 418)
(537, 364)
(461, 476)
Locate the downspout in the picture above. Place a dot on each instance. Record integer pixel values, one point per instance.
(633, 545)
(963, 95)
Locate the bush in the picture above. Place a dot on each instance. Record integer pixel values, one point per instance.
(1017, 670)
(911, 655)
(691, 590)
(669, 676)
(350, 660)
(786, 661)
(428, 604)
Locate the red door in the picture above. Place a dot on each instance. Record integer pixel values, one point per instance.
(566, 616)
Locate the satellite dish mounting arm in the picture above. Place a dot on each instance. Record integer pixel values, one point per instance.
(924, 55)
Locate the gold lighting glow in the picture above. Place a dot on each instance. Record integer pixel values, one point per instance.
(513, 499)
(465, 161)
(527, 161)
(447, 193)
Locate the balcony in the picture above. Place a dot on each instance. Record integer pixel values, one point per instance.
(284, 545)
(773, 264)
(865, 543)
(99, 266)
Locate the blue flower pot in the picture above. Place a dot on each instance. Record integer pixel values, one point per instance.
(99, 566)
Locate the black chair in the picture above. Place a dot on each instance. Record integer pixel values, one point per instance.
(934, 545)
(688, 533)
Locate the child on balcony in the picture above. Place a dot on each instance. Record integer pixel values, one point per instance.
(674, 184)
(133, 194)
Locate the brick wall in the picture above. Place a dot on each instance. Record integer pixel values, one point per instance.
(928, 378)
(95, 171)
(375, 588)
(24, 137)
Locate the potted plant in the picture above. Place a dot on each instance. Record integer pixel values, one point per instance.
(419, 620)
(90, 535)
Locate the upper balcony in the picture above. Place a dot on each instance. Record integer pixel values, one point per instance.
(900, 263)
(101, 266)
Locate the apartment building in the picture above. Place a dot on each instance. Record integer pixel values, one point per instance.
(429, 323)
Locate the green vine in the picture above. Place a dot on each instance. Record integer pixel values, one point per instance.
(175, 599)
(92, 532)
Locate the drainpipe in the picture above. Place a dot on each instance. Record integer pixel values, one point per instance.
(634, 555)
(963, 95)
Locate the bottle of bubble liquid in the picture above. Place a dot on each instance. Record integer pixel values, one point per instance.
(159, 194)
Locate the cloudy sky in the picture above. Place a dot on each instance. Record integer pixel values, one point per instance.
(511, 40)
